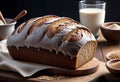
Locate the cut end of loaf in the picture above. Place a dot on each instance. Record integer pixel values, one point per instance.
(86, 53)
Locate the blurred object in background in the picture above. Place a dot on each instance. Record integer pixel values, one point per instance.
(35, 8)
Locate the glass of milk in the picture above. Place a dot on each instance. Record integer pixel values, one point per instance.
(92, 15)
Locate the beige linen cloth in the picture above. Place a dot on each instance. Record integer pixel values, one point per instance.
(26, 69)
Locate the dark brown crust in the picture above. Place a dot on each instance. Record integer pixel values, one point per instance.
(20, 28)
(53, 27)
(46, 57)
(73, 36)
(42, 56)
(41, 21)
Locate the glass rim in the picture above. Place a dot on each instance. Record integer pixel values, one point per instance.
(96, 2)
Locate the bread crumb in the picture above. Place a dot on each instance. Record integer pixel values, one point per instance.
(49, 78)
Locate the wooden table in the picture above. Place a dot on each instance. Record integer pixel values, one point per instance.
(102, 73)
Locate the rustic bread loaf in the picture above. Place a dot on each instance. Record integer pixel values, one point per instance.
(52, 40)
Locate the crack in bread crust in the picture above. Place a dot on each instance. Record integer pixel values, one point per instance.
(52, 28)
(41, 21)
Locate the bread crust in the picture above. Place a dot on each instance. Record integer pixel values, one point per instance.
(41, 21)
(52, 40)
(46, 57)
(42, 57)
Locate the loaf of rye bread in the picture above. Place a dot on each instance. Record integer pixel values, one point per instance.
(52, 40)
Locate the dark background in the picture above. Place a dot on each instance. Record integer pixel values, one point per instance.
(69, 8)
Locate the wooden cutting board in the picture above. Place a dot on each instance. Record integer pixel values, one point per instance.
(101, 75)
(88, 68)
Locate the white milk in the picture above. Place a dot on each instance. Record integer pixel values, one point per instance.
(92, 18)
